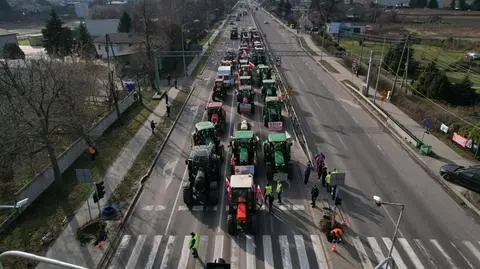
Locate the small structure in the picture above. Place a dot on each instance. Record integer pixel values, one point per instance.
(7, 37)
(121, 44)
(98, 28)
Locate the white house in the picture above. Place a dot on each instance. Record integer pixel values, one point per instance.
(121, 44)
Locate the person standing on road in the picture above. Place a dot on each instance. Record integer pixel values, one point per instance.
(169, 78)
(327, 181)
(176, 84)
(315, 192)
(168, 110)
(308, 169)
(152, 126)
(279, 191)
(194, 241)
(269, 196)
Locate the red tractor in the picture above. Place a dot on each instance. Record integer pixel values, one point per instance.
(216, 115)
(219, 90)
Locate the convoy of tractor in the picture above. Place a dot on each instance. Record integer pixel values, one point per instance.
(246, 71)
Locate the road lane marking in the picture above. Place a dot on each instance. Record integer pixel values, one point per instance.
(377, 251)
(396, 256)
(444, 253)
(196, 208)
(234, 253)
(473, 249)
(426, 253)
(302, 252)
(285, 250)
(153, 252)
(132, 262)
(411, 253)
(148, 208)
(362, 253)
(183, 262)
(122, 246)
(317, 247)
(202, 252)
(168, 252)
(180, 188)
(250, 252)
(267, 252)
(463, 256)
(218, 251)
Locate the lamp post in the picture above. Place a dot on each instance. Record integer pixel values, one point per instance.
(379, 202)
(183, 50)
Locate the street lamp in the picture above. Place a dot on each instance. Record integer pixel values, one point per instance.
(379, 202)
(16, 205)
(183, 49)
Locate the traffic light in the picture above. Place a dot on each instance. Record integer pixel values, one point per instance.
(100, 189)
(95, 198)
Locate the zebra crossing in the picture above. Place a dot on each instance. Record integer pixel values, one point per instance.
(200, 208)
(288, 251)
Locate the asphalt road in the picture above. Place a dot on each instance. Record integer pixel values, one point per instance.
(157, 234)
(435, 231)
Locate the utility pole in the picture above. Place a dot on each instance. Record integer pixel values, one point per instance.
(368, 74)
(148, 48)
(398, 67)
(379, 69)
(108, 47)
(405, 71)
(361, 55)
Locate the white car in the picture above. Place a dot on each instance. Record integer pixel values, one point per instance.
(266, 22)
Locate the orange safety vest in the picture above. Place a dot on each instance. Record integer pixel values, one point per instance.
(337, 232)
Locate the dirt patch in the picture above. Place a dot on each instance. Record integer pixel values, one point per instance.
(328, 66)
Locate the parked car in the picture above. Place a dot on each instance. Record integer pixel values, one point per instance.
(468, 177)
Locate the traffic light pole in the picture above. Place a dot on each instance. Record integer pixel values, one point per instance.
(98, 202)
(89, 210)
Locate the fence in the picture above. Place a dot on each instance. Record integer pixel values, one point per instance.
(37, 186)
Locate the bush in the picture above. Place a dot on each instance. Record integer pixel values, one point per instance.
(12, 51)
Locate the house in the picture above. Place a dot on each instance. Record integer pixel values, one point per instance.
(344, 29)
(7, 37)
(98, 28)
(121, 44)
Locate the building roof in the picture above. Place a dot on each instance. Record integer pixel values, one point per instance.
(4, 32)
(101, 27)
(120, 38)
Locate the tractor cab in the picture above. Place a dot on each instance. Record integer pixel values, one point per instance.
(272, 114)
(277, 156)
(216, 115)
(243, 205)
(244, 36)
(204, 134)
(245, 80)
(234, 33)
(269, 88)
(243, 146)
(245, 99)
(219, 89)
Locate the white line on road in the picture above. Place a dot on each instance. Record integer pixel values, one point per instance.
(411, 253)
(317, 247)
(148, 208)
(168, 252)
(202, 252)
(473, 249)
(123, 244)
(444, 253)
(377, 251)
(132, 262)
(234, 253)
(175, 203)
(362, 253)
(250, 252)
(196, 208)
(183, 262)
(218, 251)
(267, 252)
(426, 253)
(153, 252)
(396, 256)
(302, 252)
(285, 250)
(463, 256)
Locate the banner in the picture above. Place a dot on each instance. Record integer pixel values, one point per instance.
(275, 126)
(460, 140)
(245, 170)
(444, 128)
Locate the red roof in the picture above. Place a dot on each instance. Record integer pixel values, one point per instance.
(214, 104)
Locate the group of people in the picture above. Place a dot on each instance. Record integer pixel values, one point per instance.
(323, 174)
(269, 196)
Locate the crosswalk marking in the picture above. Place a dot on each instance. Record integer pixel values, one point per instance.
(302, 252)
(183, 262)
(123, 244)
(291, 207)
(472, 248)
(362, 253)
(136, 251)
(267, 252)
(250, 252)
(461, 254)
(426, 253)
(377, 251)
(396, 256)
(319, 254)
(285, 250)
(234, 254)
(168, 252)
(218, 251)
(202, 252)
(444, 253)
(153, 252)
(411, 253)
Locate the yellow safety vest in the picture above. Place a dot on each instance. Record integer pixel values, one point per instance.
(268, 190)
(279, 187)
(196, 237)
(327, 179)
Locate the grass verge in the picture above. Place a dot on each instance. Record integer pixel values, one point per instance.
(328, 66)
(203, 59)
(24, 42)
(47, 213)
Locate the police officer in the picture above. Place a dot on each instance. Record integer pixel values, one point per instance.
(327, 181)
(194, 241)
(269, 196)
(308, 169)
(279, 191)
(315, 192)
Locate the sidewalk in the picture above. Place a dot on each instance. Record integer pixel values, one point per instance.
(66, 247)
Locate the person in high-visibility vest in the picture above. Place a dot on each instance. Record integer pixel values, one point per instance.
(194, 244)
(279, 191)
(337, 235)
(269, 196)
(327, 181)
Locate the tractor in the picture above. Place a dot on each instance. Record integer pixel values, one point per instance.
(216, 115)
(269, 88)
(234, 33)
(243, 205)
(277, 156)
(246, 99)
(219, 90)
(245, 80)
(206, 134)
(202, 186)
(272, 114)
(243, 146)
(244, 37)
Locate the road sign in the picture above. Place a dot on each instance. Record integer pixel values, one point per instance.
(427, 123)
(83, 175)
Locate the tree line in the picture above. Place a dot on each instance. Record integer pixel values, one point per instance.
(454, 4)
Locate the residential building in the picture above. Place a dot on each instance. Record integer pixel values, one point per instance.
(7, 37)
(121, 44)
(99, 28)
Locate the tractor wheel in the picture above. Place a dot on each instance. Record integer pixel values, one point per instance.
(188, 196)
(231, 225)
(238, 108)
(213, 193)
(252, 110)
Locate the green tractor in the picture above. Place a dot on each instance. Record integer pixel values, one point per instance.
(269, 88)
(245, 80)
(202, 186)
(243, 205)
(243, 146)
(263, 72)
(272, 114)
(206, 134)
(245, 100)
(277, 156)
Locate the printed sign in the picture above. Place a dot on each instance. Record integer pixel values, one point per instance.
(460, 140)
(337, 179)
(245, 170)
(245, 107)
(444, 128)
(281, 177)
(469, 144)
(275, 126)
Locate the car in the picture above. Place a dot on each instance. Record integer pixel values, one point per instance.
(266, 22)
(468, 177)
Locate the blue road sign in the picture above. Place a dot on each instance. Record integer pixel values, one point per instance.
(427, 123)
(83, 175)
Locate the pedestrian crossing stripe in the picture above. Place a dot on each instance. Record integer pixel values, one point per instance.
(201, 208)
(296, 251)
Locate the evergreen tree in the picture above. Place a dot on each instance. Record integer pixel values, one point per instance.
(85, 45)
(433, 4)
(463, 4)
(475, 5)
(452, 4)
(413, 3)
(125, 23)
(434, 83)
(392, 59)
(57, 40)
(462, 94)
